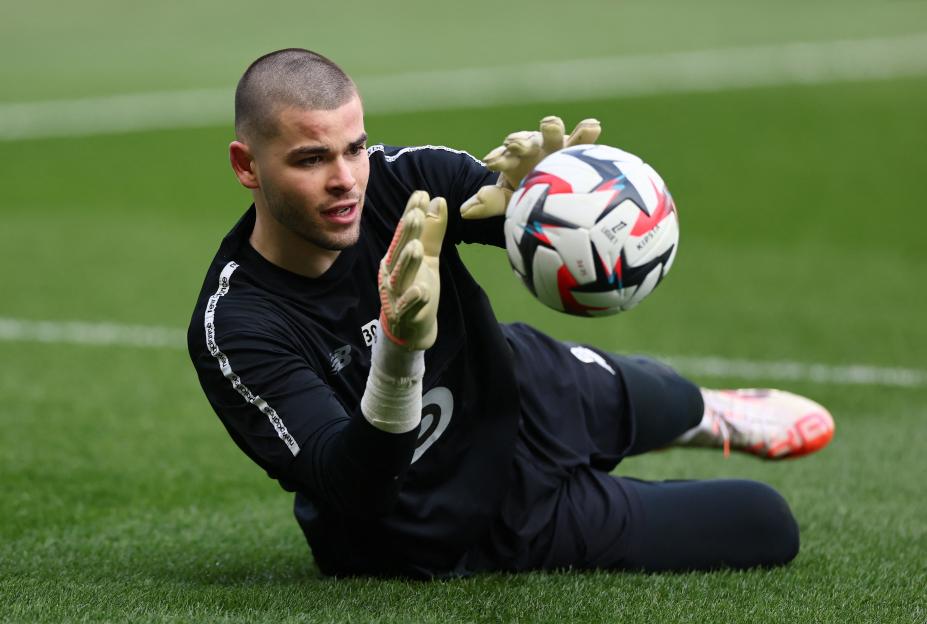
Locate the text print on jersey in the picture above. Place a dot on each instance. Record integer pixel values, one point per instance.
(370, 331)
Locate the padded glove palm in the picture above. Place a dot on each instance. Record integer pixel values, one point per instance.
(408, 279)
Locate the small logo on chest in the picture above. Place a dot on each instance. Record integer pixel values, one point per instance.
(340, 358)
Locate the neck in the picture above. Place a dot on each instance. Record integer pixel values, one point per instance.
(287, 250)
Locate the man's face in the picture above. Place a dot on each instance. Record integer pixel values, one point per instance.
(313, 174)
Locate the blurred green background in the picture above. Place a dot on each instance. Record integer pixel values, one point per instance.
(802, 240)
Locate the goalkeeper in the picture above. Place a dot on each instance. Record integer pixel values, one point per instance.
(349, 353)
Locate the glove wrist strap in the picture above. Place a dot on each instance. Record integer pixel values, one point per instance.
(392, 400)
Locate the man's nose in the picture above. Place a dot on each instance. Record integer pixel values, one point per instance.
(342, 178)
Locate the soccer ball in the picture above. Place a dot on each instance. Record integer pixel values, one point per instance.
(592, 230)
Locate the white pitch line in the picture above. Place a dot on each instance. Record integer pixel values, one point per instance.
(83, 333)
(845, 375)
(560, 81)
(118, 335)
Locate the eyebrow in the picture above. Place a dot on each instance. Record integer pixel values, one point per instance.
(320, 150)
(360, 140)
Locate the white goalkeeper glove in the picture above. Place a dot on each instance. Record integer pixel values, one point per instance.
(408, 279)
(517, 156)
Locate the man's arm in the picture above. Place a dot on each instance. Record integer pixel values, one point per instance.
(477, 192)
(284, 416)
(442, 172)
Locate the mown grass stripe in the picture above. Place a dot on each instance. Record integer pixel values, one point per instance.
(480, 87)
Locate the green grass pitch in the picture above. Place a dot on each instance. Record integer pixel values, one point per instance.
(802, 218)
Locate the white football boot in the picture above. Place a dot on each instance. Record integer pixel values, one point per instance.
(772, 424)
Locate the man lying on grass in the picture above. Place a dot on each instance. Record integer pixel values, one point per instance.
(351, 355)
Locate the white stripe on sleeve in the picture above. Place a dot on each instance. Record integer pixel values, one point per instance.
(226, 367)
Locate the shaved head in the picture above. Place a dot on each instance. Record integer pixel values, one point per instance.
(290, 78)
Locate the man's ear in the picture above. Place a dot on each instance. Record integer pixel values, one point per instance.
(243, 164)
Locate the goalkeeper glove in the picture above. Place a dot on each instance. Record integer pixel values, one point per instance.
(408, 278)
(517, 156)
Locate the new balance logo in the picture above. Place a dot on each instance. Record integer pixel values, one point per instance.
(340, 358)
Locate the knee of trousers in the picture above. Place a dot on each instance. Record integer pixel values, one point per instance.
(692, 402)
(772, 529)
(677, 393)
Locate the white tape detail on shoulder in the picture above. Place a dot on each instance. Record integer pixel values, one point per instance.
(407, 150)
(209, 321)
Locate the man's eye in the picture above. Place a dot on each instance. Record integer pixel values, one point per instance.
(354, 150)
(309, 161)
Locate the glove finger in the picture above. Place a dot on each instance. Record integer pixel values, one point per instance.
(523, 143)
(403, 274)
(409, 228)
(519, 148)
(552, 131)
(411, 302)
(494, 155)
(504, 162)
(417, 200)
(434, 227)
(474, 201)
(520, 137)
(586, 131)
(509, 162)
(489, 201)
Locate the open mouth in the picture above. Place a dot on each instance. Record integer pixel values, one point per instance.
(342, 214)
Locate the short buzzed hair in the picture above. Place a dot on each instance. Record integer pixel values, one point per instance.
(293, 77)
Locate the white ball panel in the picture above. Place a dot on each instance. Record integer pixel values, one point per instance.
(545, 266)
(640, 180)
(580, 209)
(513, 230)
(581, 177)
(607, 299)
(669, 262)
(606, 152)
(617, 299)
(641, 249)
(669, 234)
(573, 246)
(610, 234)
(657, 179)
(646, 287)
(513, 201)
(520, 210)
(513, 234)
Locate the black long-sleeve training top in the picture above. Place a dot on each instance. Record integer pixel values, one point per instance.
(283, 360)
